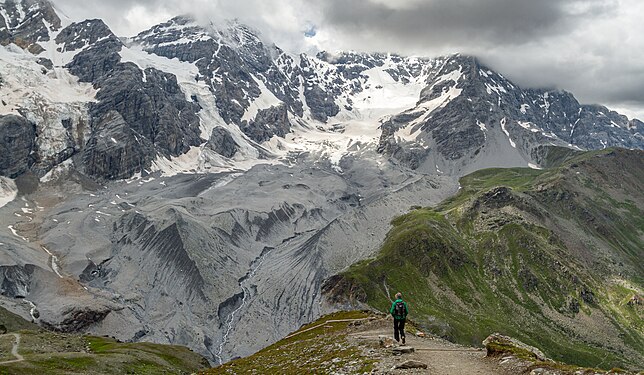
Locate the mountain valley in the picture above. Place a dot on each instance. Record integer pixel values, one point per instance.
(197, 185)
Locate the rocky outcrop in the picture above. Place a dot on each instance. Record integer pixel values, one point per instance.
(152, 105)
(77, 320)
(23, 23)
(17, 145)
(497, 344)
(268, 123)
(154, 117)
(15, 280)
(222, 142)
(115, 151)
(93, 61)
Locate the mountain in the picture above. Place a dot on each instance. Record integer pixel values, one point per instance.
(551, 257)
(168, 186)
(220, 91)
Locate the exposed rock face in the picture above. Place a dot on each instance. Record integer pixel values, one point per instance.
(94, 60)
(115, 151)
(15, 280)
(268, 123)
(222, 142)
(320, 101)
(152, 105)
(17, 144)
(153, 110)
(219, 64)
(78, 319)
(24, 25)
(469, 114)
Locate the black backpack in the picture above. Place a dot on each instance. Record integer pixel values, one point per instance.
(399, 310)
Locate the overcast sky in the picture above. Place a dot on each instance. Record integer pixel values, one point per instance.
(594, 48)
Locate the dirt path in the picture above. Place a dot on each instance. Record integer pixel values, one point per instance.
(14, 351)
(441, 357)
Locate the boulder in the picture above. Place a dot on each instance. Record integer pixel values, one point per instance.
(222, 142)
(403, 350)
(410, 365)
(497, 344)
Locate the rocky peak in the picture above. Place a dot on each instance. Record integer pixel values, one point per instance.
(369, 60)
(89, 33)
(27, 22)
(179, 30)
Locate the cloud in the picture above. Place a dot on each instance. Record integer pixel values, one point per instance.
(593, 48)
(437, 24)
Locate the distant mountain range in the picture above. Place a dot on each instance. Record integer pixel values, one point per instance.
(224, 92)
(195, 184)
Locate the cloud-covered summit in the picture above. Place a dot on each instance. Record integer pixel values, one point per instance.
(593, 48)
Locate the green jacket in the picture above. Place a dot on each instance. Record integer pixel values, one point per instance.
(393, 307)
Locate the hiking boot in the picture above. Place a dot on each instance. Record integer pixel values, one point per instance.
(403, 340)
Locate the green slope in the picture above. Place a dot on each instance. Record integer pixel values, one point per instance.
(12, 322)
(320, 347)
(551, 257)
(52, 353)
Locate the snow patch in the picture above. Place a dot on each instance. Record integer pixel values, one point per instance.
(412, 131)
(58, 171)
(529, 126)
(15, 233)
(8, 190)
(186, 163)
(265, 100)
(503, 122)
(524, 108)
(54, 262)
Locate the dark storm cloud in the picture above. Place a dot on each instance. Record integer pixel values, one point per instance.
(439, 22)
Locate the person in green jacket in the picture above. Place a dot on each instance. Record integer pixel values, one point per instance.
(399, 311)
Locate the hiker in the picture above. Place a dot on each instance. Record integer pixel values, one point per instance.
(399, 311)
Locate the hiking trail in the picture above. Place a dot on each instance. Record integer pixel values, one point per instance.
(14, 350)
(441, 357)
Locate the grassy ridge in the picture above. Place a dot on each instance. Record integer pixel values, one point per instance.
(13, 322)
(316, 348)
(551, 257)
(51, 353)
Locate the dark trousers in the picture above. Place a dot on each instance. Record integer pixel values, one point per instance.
(399, 329)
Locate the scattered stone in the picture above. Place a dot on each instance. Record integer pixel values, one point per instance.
(403, 350)
(420, 334)
(543, 371)
(410, 364)
(386, 342)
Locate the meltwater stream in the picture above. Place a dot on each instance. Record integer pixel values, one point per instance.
(246, 294)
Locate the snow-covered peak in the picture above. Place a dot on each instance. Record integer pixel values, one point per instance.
(179, 30)
(27, 21)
